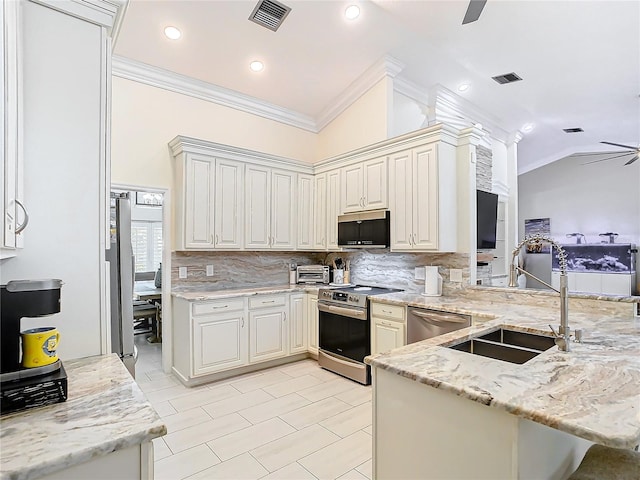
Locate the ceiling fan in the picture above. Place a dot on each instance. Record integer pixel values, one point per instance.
(473, 11)
(635, 151)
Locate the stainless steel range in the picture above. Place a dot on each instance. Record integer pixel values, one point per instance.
(345, 330)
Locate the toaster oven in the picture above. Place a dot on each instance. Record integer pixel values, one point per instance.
(312, 274)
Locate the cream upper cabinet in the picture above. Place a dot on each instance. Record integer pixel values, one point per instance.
(269, 209)
(320, 212)
(364, 186)
(198, 214)
(305, 217)
(414, 199)
(209, 204)
(228, 208)
(333, 208)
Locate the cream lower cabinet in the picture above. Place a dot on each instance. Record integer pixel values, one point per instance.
(312, 316)
(268, 327)
(388, 327)
(298, 323)
(219, 336)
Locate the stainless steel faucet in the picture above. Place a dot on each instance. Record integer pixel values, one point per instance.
(564, 332)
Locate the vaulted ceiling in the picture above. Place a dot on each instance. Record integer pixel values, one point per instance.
(579, 60)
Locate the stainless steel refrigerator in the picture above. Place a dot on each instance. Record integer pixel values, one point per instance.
(121, 268)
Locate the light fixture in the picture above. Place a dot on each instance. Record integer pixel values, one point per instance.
(172, 33)
(527, 127)
(352, 12)
(256, 66)
(463, 87)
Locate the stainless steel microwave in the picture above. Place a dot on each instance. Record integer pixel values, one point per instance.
(364, 230)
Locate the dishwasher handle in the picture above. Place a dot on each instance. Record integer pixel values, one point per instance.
(440, 318)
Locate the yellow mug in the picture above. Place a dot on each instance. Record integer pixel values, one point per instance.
(39, 346)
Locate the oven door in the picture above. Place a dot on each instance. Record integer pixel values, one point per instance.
(344, 331)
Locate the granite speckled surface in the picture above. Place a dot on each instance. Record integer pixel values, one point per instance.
(105, 412)
(197, 294)
(592, 392)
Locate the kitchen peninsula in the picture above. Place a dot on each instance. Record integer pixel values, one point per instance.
(104, 429)
(461, 415)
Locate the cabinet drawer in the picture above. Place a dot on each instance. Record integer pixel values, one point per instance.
(394, 312)
(220, 306)
(265, 301)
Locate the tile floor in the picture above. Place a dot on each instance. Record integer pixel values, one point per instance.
(296, 421)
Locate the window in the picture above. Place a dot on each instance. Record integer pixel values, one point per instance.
(146, 238)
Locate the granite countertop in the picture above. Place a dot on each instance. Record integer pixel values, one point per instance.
(199, 294)
(105, 412)
(592, 392)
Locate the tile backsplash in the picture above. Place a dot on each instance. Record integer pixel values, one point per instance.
(263, 269)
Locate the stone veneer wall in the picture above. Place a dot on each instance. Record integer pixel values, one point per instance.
(484, 166)
(258, 269)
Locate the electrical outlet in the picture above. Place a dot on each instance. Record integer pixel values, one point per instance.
(209, 270)
(419, 273)
(182, 272)
(455, 275)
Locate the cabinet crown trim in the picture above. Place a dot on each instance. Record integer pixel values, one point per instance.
(182, 144)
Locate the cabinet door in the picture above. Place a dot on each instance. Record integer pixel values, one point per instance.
(267, 334)
(401, 200)
(320, 212)
(425, 198)
(305, 216)
(333, 208)
(298, 324)
(386, 336)
(257, 207)
(283, 210)
(616, 284)
(219, 342)
(375, 186)
(352, 194)
(313, 323)
(228, 212)
(199, 183)
(588, 282)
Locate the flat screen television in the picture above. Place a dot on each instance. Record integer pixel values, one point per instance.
(487, 219)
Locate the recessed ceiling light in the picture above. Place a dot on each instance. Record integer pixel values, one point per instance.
(527, 127)
(463, 87)
(256, 66)
(352, 12)
(172, 33)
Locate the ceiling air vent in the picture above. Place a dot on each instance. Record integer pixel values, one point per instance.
(572, 130)
(507, 78)
(269, 14)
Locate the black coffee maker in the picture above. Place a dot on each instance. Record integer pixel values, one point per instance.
(22, 388)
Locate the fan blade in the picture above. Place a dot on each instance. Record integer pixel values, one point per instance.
(609, 158)
(619, 145)
(586, 154)
(473, 11)
(631, 161)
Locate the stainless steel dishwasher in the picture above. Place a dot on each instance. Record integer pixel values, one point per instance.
(423, 323)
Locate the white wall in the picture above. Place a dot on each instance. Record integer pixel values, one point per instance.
(145, 119)
(408, 115)
(590, 199)
(365, 122)
(62, 173)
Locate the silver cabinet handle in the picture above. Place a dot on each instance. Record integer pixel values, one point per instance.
(364, 201)
(268, 301)
(284, 317)
(388, 312)
(241, 322)
(24, 224)
(219, 306)
(216, 239)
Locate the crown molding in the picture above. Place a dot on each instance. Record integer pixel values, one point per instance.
(387, 66)
(449, 107)
(500, 188)
(411, 90)
(119, 19)
(158, 77)
(100, 12)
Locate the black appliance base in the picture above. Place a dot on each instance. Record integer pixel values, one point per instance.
(33, 392)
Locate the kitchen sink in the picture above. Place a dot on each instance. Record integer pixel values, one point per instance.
(507, 345)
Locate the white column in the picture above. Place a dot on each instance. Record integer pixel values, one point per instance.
(512, 219)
